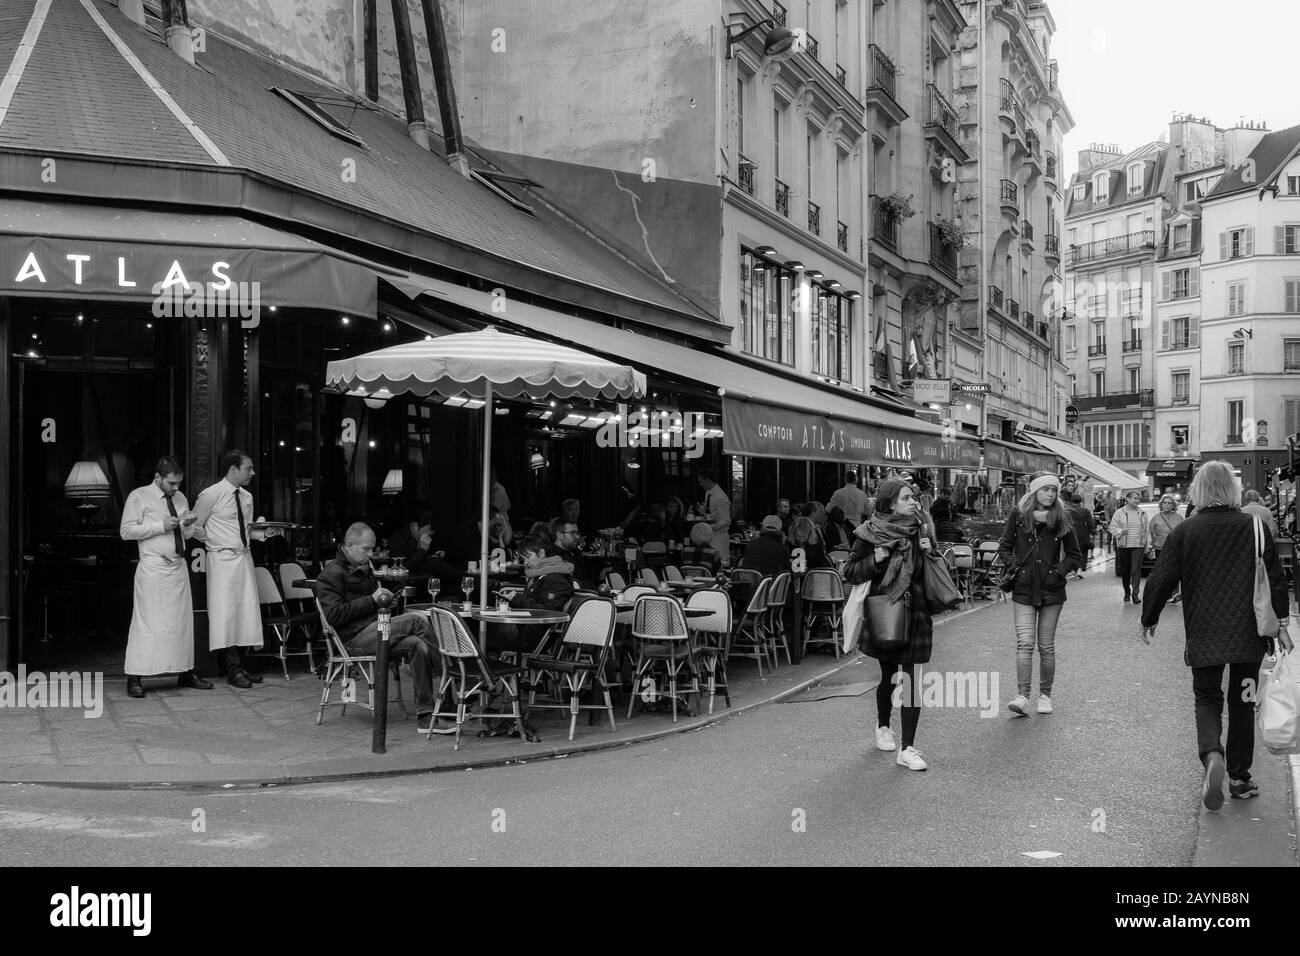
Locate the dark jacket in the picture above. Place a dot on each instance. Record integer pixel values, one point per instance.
(448, 575)
(1084, 528)
(1212, 557)
(344, 591)
(1041, 559)
(581, 571)
(549, 590)
(767, 554)
(861, 567)
(948, 529)
(838, 535)
(705, 557)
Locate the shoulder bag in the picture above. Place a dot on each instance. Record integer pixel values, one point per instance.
(1265, 620)
(889, 621)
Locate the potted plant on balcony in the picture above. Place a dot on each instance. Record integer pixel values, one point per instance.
(951, 233)
(897, 206)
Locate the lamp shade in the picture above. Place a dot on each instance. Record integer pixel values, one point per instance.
(86, 480)
(393, 482)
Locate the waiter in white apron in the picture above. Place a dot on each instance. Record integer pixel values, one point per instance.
(717, 508)
(224, 511)
(161, 640)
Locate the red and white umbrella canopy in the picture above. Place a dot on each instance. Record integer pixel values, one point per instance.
(465, 363)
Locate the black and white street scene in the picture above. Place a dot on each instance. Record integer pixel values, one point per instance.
(483, 433)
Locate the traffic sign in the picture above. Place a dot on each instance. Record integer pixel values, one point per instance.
(1071, 414)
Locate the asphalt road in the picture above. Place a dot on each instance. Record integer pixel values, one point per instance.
(1110, 779)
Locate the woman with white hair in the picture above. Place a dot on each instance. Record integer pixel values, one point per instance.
(1212, 558)
(1040, 549)
(1165, 521)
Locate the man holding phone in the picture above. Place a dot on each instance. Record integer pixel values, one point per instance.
(161, 640)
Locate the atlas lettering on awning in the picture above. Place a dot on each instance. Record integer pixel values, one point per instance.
(78, 263)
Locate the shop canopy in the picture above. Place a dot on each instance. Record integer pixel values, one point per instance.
(763, 414)
(1178, 469)
(66, 250)
(1087, 462)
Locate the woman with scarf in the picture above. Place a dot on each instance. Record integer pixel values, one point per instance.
(1040, 548)
(887, 551)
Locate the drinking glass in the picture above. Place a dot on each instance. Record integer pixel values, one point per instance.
(467, 585)
(434, 585)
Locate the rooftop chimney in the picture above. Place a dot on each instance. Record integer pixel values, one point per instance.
(176, 26)
(1240, 141)
(133, 10)
(1097, 154)
(445, 86)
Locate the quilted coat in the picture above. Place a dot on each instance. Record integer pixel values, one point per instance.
(1211, 555)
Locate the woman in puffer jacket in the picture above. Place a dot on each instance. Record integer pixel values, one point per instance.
(1039, 547)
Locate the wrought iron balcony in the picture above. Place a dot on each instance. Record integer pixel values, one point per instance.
(1008, 95)
(1114, 246)
(884, 224)
(841, 76)
(995, 297)
(1133, 345)
(1180, 342)
(1052, 246)
(778, 14)
(745, 168)
(783, 198)
(1031, 140)
(1096, 348)
(943, 254)
(1013, 309)
(1027, 320)
(814, 218)
(1111, 400)
(1051, 165)
(1027, 230)
(842, 236)
(1236, 369)
(1010, 193)
(942, 113)
(1042, 330)
(884, 72)
(1018, 112)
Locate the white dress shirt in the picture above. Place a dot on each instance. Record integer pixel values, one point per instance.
(142, 521)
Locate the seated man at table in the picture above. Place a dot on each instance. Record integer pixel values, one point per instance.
(767, 552)
(404, 543)
(549, 588)
(426, 560)
(565, 535)
(348, 591)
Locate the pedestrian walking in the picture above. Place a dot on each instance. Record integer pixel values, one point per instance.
(1084, 528)
(161, 639)
(224, 512)
(1213, 560)
(888, 553)
(1165, 521)
(1132, 536)
(1039, 547)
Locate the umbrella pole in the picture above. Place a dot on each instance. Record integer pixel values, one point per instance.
(483, 532)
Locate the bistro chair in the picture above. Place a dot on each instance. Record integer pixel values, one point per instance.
(341, 665)
(986, 572)
(578, 663)
(623, 621)
(750, 637)
(960, 559)
(280, 621)
(695, 571)
(654, 553)
(648, 577)
(778, 595)
(671, 573)
(823, 595)
(1285, 548)
(741, 582)
(664, 645)
(713, 638)
(614, 580)
(467, 675)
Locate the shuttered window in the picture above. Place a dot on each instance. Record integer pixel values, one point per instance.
(1291, 299)
(1291, 355)
(1286, 240)
(1236, 243)
(1290, 416)
(1237, 298)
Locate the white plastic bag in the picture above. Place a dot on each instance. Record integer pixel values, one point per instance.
(1278, 710)
(855, 609)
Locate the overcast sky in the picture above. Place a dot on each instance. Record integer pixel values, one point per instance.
(1128, 65)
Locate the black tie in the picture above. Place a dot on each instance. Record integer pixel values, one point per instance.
(176, 531)
(239, 516)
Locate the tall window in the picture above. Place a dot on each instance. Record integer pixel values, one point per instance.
(1070, 342)
(1180, 283)
(1135, 379)
(1236, 358)
(1237, 297)
(740, 113)
(809, 156)
(1235, 413)
(1182, 385)
(1293, 185)
(1236, 243)
(766, 309)
(1099, 382)
(1182, 238)
(1291, 359)
(1135, 178)
(1291, 299)
(1099, 335)
(778, 135)
(1101, 187)
(1181, 332)
(1286, 240)
(831, 325)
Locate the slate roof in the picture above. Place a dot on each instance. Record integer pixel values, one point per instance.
(79, 94)
(1269, 154)
(1153, 157)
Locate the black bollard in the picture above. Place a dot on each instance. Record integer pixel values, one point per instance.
(379, 727)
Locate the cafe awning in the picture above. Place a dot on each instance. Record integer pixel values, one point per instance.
(763, 414)
(1087, 462)
(68, 250)
(1179, 469)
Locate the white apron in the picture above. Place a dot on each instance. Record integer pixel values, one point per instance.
(161, 640)
(234, 614)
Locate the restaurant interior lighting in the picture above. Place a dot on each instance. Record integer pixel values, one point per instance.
(373, 443)
(393, 483)
(345, 320)
(273, 308)
(86, 480)
(388, 326)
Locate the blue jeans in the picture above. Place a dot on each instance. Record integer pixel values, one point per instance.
(1036, 625)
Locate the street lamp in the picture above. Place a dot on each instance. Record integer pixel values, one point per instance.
(1243, 334)
(779, 43)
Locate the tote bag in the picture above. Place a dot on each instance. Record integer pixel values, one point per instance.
(1265, 619)
(1279, 708)
(852, 615)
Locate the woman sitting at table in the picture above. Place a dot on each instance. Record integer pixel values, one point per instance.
(698, 550)
(804, 534)
(501, 535)
(675, 520)
(839, 532)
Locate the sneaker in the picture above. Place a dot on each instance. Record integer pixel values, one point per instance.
(1212, 788)
(1243, 789)
(1044, 704)
(885, 739)
(1019, 705)
(910, 758)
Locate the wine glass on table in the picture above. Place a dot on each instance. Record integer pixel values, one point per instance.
(434, 585)
(467, 585)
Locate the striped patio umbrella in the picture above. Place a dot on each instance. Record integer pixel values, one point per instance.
(484, 365)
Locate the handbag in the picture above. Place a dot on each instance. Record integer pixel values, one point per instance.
(941, 593)
(1265, 619)
(889, 621)
(1278, 710)
(852, 616)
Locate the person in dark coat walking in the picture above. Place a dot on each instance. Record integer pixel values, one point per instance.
(888, 553)
(1212, 557)
(1040, 547)
(1084, 528)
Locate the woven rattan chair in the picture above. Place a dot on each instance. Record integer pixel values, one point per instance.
(778, 595)
(468, 676)
(750, 636)
(664, 647)
(341, 665)
(671, 573)
(281, 622)
(712, 638)
(823, 595)
(578, 664)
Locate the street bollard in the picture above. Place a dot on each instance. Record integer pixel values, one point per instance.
(379, 727)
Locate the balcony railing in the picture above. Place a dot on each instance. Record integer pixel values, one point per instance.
(1052, 245)
(1051, 165)
(1290, 366)
(1096, 348)
(811, 45)
(942, 113)
(783, 198)
(814, 218)
(1031, 140)
(1132, 452)
(841, 76)
(1013, 309)
(884, 73)
(1182, 398)
(1111, 400)
(1027, 230)
(1042, 330)
(1114, 246)
(1027, 320)
(1180, 290)
(995, 297)
(778, 14)
(1008, 94)
(884, 224)
(1236, 369)
(1180, 342)
(1018, 112)
(1010, 193)
(842, 236)
(943, 254)
(1234, 438)
(1132, 345)
(745, 168)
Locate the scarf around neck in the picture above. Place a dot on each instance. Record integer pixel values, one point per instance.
(897, 533)
(551, 564)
